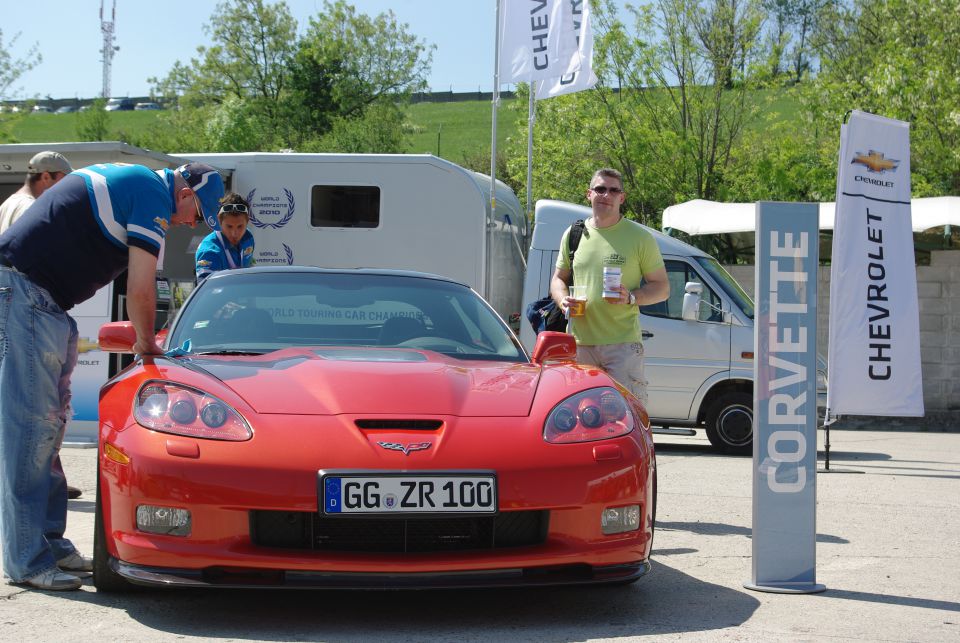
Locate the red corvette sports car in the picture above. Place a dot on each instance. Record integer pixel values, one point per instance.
(364, 429)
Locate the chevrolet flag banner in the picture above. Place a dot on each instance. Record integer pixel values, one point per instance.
(535, 42)
(874, 352)
(579, 19)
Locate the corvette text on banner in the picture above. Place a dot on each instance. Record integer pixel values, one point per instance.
(535, 42)
(874, 352)
(579, 21)
(785, 400)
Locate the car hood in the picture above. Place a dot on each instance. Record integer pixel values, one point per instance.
(374, 381)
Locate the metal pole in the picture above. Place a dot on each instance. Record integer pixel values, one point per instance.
(493, 148)
(531, 117)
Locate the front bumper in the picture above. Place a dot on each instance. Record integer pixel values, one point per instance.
(574, 574)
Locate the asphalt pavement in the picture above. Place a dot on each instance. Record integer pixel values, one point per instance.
(888, 524)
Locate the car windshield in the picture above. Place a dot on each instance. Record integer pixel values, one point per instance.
(259, 312)
(729, 284)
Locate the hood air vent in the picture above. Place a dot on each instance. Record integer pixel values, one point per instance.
(416, 425)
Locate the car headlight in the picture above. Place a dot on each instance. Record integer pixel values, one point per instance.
(184, 410)
(596, 414)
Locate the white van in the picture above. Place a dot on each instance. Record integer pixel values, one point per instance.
(698, 343)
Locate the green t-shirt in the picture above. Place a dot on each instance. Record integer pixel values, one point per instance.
(626, 244)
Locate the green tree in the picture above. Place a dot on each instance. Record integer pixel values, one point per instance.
(792, 24)
(348, 62)
(897, 58)
(380, 129)
(673, 98)
(253, 43)
(11, 69)
(94, 123)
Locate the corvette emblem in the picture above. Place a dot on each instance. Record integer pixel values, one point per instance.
(406, 449)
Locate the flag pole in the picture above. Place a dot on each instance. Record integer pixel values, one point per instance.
(493, 129)
(531, 117)
(493, 138)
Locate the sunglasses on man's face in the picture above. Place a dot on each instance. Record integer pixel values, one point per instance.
(233, 207)
(602, 189)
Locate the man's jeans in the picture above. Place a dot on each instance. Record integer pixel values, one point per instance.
(38, 351)
(624, 363)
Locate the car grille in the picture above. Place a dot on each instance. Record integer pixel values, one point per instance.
(300, 530)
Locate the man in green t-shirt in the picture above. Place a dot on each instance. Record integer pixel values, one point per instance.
(608, 334)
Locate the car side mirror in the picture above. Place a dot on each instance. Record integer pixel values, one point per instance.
(691, 301)
(117, 337)
(554, 346)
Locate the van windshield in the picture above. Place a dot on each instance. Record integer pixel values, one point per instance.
(728, 284)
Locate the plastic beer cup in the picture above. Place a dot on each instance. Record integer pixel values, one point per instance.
(579, 307)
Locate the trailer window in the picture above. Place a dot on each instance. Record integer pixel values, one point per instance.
(345, 206)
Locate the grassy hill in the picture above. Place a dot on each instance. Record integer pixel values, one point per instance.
(455, 130)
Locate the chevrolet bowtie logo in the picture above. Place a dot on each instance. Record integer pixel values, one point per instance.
(405, 449)
(875, 162)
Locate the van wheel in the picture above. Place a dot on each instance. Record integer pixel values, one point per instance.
(730, 423)
(104, 578)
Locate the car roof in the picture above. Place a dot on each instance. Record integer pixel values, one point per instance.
(228, 274)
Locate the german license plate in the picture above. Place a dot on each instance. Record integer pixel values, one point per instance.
(398, 494)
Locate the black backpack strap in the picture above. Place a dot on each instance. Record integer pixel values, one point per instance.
(577, 230)
(573, 242)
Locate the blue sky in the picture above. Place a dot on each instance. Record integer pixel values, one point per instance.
(152, 35)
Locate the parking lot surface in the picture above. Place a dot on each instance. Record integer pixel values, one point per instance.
(888, 524)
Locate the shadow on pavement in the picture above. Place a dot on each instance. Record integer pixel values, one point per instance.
(723, 529)
(910, 601)
(666, 601)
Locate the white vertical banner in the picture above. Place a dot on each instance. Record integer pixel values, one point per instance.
(874, 352)
(582, 35)
(533, 41)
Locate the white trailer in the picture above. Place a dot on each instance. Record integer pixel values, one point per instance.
(406, 211)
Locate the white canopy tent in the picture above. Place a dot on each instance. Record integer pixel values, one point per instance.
(709, 217)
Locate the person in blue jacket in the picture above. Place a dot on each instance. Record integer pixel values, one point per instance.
(77, 237)
(232, 245)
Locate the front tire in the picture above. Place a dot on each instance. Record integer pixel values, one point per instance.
(730, 423)
(104, 578)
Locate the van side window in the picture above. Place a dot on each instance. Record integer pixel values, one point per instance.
(678, 274)
(345, 206)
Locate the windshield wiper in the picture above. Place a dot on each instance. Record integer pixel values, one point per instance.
(231, 351)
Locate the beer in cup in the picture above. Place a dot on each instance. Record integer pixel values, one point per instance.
(578, 307)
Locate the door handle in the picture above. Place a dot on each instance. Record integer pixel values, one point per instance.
(646, 334)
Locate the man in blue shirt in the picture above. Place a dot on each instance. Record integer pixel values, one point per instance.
(80, 235)
(230, 245)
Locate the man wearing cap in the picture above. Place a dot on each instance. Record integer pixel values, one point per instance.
(43, 171)
(76, 238)
(230, 245)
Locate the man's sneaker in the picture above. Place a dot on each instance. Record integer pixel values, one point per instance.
(75, 562)
(53, 579)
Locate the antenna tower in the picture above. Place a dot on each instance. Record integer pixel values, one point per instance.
(106, 28)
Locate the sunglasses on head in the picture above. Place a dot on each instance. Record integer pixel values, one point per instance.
(602, 189)
(233, 207)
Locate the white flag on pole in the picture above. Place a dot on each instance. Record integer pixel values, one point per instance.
(580, 32)
(874, 353)
(532, 42)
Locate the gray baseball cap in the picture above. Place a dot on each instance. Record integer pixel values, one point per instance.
(49, 162)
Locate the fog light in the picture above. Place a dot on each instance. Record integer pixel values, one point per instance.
(616, 520)
(168, 521)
